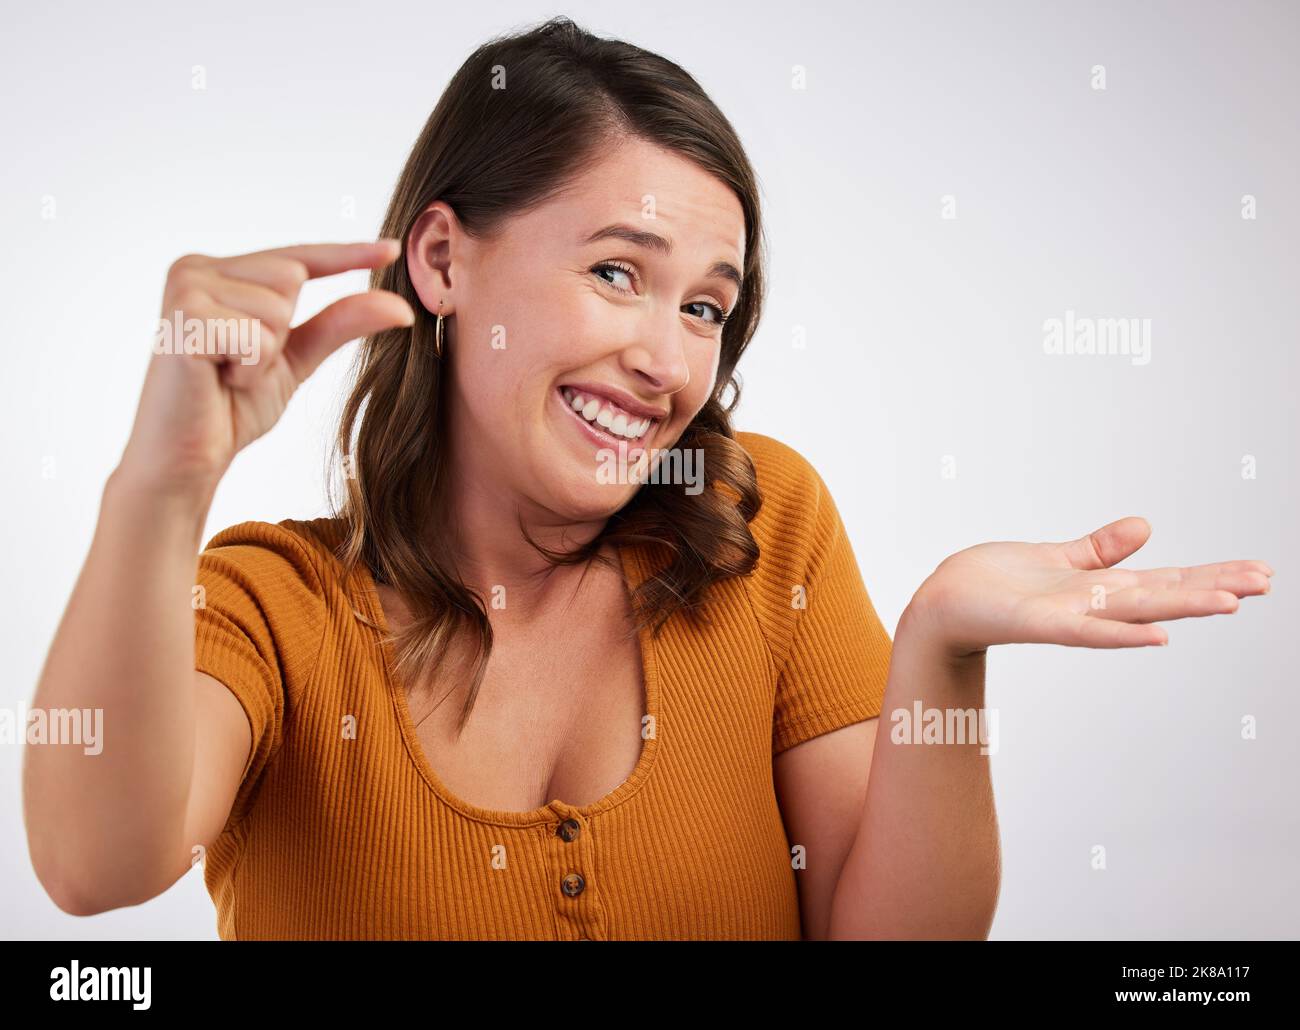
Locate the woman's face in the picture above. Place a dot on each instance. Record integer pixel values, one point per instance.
(559, 310)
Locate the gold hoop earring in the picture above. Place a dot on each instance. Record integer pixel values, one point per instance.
(437, 334)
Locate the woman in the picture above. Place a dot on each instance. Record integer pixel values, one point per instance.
(573, 659)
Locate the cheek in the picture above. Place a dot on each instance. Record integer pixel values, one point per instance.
(704, 372)
(487, 376)
(556, 327)
(517, 332)
(585, 324)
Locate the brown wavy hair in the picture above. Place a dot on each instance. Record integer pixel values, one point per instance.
(491, 153)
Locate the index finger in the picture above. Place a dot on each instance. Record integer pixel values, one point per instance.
(332, 258)
(320, 259)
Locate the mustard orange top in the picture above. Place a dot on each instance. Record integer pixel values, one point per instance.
(351, 835)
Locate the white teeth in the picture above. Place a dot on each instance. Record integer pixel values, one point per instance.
(608, 417)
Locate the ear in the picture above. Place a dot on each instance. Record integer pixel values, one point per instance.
(435, 254)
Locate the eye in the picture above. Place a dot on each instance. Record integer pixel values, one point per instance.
(618, 268)
(721, 316)
(614, 266)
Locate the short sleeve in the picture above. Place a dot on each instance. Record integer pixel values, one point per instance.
(259, 620)
(838, 662)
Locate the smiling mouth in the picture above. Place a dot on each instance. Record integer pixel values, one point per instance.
(606, 420)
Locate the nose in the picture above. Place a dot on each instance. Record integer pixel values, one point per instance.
(658, 355)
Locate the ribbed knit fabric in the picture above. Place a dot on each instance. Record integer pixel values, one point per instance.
(341, 828)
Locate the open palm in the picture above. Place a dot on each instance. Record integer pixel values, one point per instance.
(1068, 593)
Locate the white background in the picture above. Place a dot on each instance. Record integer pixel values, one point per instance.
(924, 339)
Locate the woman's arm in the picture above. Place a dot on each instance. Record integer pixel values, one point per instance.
(114, 826)
(926, 861)
(104, 828)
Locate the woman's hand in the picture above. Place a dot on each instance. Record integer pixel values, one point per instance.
(206, 398)
(1067, 593)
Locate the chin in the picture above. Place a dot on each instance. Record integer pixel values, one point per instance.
(576, 496)
(592, 503)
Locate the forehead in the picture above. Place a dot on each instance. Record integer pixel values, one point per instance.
(697, 211)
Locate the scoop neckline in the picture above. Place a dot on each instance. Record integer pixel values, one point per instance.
(555, 809)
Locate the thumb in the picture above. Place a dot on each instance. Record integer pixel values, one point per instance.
(360, 314)
(1109, 545)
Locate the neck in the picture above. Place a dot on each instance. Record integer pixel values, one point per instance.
(484, 518)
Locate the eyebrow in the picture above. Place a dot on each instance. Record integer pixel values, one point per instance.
(651, 241)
